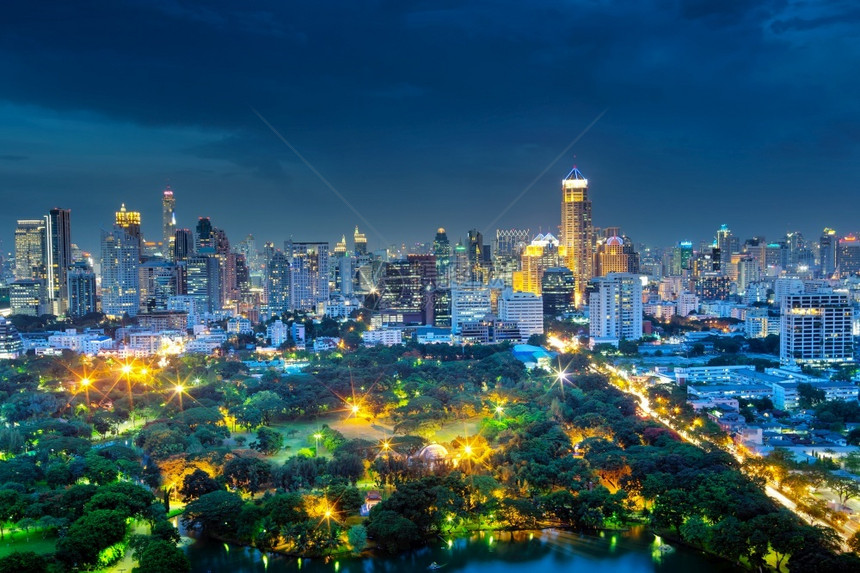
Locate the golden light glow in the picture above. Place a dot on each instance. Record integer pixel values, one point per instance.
(126, 369)
(85, 382)
(355, 409)
(179, 388)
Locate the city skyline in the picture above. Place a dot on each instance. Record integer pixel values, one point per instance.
(454, 129)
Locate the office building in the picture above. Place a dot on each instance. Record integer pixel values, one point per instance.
(31, 250)
(183, 244)
(577, 232)
(158, 281)
(470, 302)
(523, 308)
(359, 241)
(277, 287)
(309, 263)
(558, 291)
(168, 222)
(827, 246)
(541, 254)
(203, 282)
(615, 255)
(129, 221)
(11, 346)
(816, 329)
(848, 256)
(203, 238)
(615, 308)
(442, 251)
(59, 258)
(81, 287)
(120, 258)
(26, 296)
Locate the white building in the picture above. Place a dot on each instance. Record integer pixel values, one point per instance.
(386, 337)
(239, 325)
(816, 329)
(470, 302)
(144, 343)
(524, 308)
(278, 333)
(615, 308)
(758, 323)
(785, 396)
(297, 330)
(687, 302)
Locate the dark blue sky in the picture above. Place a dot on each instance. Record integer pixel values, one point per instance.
(429, 113)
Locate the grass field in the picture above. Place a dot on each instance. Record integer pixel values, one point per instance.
(299, 434)
(17, 541)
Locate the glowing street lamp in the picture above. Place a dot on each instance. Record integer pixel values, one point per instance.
(317, 438)
(85, 384)
(178, 389)
(499, 411)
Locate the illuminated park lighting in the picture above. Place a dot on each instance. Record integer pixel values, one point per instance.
(179, 388)
(85, 382)
(499, 410)
(144, 371)
(126, 369)
(468, 450)
(355, 409)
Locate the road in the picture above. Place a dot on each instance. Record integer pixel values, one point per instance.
(846, 531)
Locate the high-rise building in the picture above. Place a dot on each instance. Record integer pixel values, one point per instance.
(541, 254)
(81, 286)
(129, 221)
(615, 255)
(848, 256)
(277, 286)
(816, 329)
(120, 258)
(558, 290)
(183, 244)
(442, 251)
(203, 281)
(59, 259)
(827, 252)
(480, 260)
(27, 296)
(727, 242)
(359, 241)
(508, 247)
(681, 255)
(460, 269)
(168, 222)
(159, 280)
(10, 341)
(615, 308)
(470, 302)
(577, 232)
(310, 270)
(713, 286)
(31, 250)
(204, 234)
(523, 308)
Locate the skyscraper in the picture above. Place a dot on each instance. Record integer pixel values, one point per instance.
(59, 259)
(168, 222)
(541, 254)
(309, 264)
(277, 285)
(360, 242)
(442, 250)
(158, 280)
(204, 234)
(615, 255)
(827, 252)
(81, 281)
(120, 258)
(558, 289)
(577, 232)
(816, 329)
(31, 250)
(615, 308)
(130, 222)
(203, 282)
(848, 256)
(183, 244)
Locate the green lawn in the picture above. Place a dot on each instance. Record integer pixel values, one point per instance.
(17, 541)
(298, 434)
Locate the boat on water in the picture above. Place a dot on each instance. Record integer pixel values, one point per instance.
(433, 566)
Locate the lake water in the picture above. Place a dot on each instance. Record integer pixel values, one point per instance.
(635, 551)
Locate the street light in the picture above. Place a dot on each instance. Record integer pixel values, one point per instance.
(317, 438)
(178, 389)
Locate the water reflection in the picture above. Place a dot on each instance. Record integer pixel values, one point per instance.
(634, 551)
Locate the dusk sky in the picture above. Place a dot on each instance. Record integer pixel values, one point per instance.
(425, 114)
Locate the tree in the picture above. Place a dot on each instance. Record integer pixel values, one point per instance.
(844, 487)
(196, 484)
(393, 533)
(88, 535)
(268, 441)
(215, 512)
(23, 562)
(11, 507)
(853, 543)
(672, 508)
(808, 396)
(247, 474)
(267, 403)
(357, 536)
(159, 556)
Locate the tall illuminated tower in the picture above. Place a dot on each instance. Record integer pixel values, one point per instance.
(168, 222)
(360, 242)
(59, 259)
(129, 221)
(577, 231)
